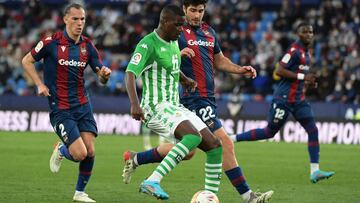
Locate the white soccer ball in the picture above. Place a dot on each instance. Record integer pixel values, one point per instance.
(204, 196)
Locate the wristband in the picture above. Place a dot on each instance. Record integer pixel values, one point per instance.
(300, 76)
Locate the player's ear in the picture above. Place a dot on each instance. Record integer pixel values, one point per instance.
(184, 9)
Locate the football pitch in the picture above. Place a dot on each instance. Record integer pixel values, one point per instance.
(282, 167)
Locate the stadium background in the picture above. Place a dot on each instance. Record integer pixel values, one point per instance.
(255, 32)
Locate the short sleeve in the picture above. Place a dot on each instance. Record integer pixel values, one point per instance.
(139, 58)
(290, 58)
(41, 49)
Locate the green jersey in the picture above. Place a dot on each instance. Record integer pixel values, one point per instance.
(158, 64)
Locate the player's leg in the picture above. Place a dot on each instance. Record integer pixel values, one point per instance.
(304, 115)
(66, 129)
(233, 170)
(277, 116)
(206, 110)
(164, 122)
(146, 132)
(88, 133)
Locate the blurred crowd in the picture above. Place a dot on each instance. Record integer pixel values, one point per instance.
(248, 34)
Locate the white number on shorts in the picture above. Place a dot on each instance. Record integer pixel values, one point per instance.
(62, 129)
(206, 113)
(279, 114)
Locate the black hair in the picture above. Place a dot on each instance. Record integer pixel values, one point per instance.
(302, 24)
(72, 5)
(171, 11)
(194, 2)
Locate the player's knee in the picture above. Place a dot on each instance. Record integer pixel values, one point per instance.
(91, 152)
(79, 155)
(190, 155)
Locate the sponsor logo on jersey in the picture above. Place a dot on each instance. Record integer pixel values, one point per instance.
(64, 62)
(39, 46)
(136, 59)
(304, 67)
(200, 43)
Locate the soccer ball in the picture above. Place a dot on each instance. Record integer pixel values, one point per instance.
(204, 196)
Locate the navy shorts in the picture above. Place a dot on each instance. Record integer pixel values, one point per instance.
(280, 111)
(205, 108)
(69, 123)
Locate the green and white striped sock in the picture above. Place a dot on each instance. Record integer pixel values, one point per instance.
(213, 168)
(176, 154)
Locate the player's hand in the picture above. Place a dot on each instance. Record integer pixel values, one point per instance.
(187, 52)
(309, 85)
(248, 71)
(189, 84)
(103, 73)
(310, 78)
(42, 90)
(136, 112)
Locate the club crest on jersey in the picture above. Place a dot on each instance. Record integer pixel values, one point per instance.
(83, 50)
(136, 59)
(39, 46)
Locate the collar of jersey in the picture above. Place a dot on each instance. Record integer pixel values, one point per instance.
(161, 39)
(71, 40)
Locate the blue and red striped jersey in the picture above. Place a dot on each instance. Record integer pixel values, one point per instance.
(204, 42)
(64, 65)
(297, 59)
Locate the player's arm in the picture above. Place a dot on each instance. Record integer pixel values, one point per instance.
(291, 59)
(95, 62)
(28, 65)
(130, 82)
(187, 82)
(223, 63)
(136, 66)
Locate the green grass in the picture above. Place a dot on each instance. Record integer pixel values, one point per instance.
(282, 167)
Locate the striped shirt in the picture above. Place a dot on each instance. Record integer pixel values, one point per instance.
(158, 63)
(64, 65)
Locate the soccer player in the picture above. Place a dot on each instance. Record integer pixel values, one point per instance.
(199, 65)
(65, 56)
(289, 98)
(157, 60)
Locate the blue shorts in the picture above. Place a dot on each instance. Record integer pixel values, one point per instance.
(69, 123)
(280, 110)
(205, 108)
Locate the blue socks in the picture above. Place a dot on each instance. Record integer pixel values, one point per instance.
(237, 179)
(256, 134)
(85, 168)
(313, 139)
(65, 152)
(149, 156)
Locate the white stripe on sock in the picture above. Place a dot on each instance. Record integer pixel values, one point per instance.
(183, 147)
